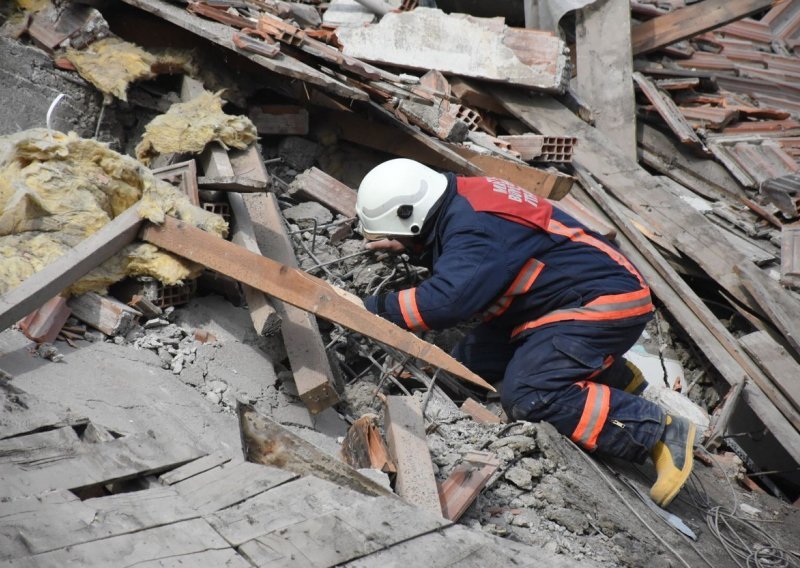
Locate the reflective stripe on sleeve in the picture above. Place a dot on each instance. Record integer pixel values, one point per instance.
(595, 413)
(410, 311)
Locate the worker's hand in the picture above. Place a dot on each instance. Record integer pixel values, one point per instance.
(389, 245)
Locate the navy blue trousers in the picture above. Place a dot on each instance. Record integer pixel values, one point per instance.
(573, 375)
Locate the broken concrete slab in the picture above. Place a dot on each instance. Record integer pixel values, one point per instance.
(135, 396)
(484, 48)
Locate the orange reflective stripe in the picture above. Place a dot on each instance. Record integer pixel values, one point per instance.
(607, 362)
(604, 308)
(410, 311)
(595, 413)
(579, 235)
(521, 284)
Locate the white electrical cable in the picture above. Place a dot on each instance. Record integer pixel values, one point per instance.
(50, 114)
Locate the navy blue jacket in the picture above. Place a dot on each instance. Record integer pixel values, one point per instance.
(500, 252)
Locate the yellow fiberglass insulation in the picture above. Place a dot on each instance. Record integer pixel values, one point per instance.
(57, 189)
(188, 127)
(111, 64)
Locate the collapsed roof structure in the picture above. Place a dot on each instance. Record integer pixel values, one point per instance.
(670, 127)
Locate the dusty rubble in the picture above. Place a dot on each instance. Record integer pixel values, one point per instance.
(253, 121)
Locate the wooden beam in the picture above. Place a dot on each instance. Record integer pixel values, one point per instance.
(77, 262)
(265, 317)
(405, 430)
(690, 21)
(466, 482)
(325, 189)
(297, 288)
(458, 159)
(109, 315)
(266, 442)
(311, 368)
(545, 184)
(604, 65)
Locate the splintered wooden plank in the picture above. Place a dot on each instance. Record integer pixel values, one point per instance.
(690, 21)
(405, 430)
(54, 526)
(790, 255)
(604, 65)
(776, 362)
(466, 482)
(67, 269)
(265, 317)
(267, 442)
(327, 190)
(363, 446)
(135, 549)
(99, 464)
(229, 484)
(222, 34)
(311, 368)
(281, 507)
(339, 536)
(459, 546)
(295, 287)
(234, 170)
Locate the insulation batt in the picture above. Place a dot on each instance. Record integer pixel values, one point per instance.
(189, 126)
(111, 65)
(57, 189)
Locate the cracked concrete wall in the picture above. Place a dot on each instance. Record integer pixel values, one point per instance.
(28, 84)
(485, 48)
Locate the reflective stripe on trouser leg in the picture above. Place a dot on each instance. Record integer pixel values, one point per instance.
(595, 413)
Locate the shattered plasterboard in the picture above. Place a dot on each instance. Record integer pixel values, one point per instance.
(483, 48)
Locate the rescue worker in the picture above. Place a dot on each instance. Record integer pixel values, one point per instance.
(560, 306)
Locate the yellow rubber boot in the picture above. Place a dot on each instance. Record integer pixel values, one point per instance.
(637, 383)
(673, 456)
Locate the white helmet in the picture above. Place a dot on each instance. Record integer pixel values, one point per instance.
(395, 198)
